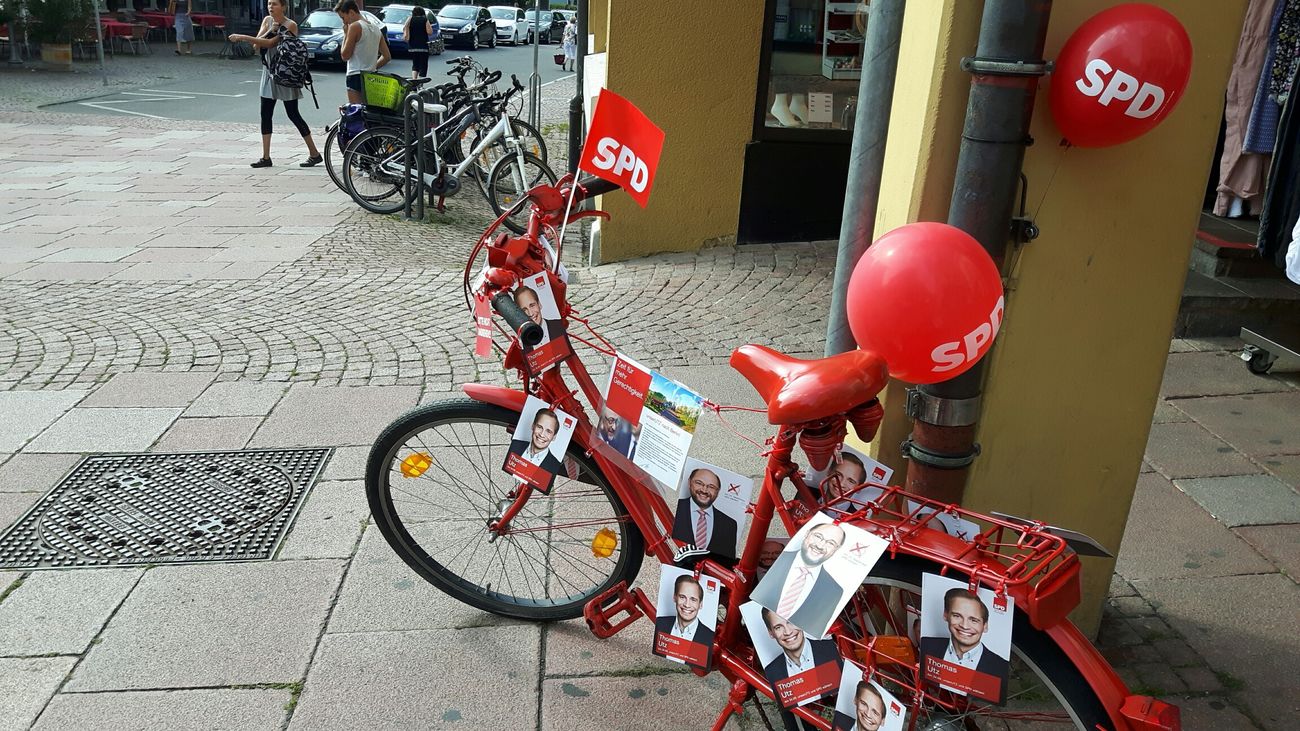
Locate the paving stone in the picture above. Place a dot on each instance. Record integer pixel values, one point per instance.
(26, 684)
(69, 272)
(13, 505)
(105, 430)
(482, 678)
(208, 434)
(27, 413)
(60, 612)
(1211, 713)
(213, 625)
(1120, 587)
(159, 254)
(94, 254)
(1278, 543)
(1258, 425)
(1188, 450)
(1168, 535)
(651, 703)
(237, 398)
(150, 389)
(383, 593)
(1245, 499)
(1275, 711)
(329, 523)
(347, 463)
(1284, 467)
(168, 710)
(1166, 413)
(1241, 625)
(1159, 678)
(1212, 374)
(35, 472)
(1198, 679)
(169, 271)
(316, 416)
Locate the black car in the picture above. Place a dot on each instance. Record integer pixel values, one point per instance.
(549, 28)
(322, 32)
(467, 25)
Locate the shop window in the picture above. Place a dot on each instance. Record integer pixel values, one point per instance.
(811, 65)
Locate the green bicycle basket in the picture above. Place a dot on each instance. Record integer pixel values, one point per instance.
(382, 90)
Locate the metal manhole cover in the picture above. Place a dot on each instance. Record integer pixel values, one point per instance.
(125, 509)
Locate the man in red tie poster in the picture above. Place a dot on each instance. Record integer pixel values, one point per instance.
(699, 521)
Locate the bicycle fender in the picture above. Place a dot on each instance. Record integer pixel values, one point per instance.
(1108, 686)
(501, 396)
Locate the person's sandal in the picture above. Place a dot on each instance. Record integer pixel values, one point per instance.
(263, 163)
(312, 161)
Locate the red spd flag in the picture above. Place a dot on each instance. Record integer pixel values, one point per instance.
(623, 146)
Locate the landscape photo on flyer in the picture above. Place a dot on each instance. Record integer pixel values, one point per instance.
(651, 420)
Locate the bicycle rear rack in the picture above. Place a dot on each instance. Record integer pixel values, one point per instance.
(604, 607)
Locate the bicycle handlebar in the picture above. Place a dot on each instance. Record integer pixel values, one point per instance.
(591, 186)
(530, 333)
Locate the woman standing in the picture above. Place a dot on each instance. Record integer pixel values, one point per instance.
(416, 33)
(267, 40)
(571, 44)
(180, 10)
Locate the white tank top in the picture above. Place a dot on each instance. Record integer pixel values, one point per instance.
(366, 53)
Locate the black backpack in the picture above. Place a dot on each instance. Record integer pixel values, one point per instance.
(290, 66)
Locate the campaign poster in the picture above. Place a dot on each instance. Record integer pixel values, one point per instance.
(954, 525)
(839, 482)
(800, 669)
(538, 444)
(649, 419)
(965, 638)
(686, 616)
(711, 504)
(769, 552)
(535, 298)
(865, 705)
(818, 572)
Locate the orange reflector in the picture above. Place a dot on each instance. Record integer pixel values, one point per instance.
(891, 650)
(416, 464)
(604, 543)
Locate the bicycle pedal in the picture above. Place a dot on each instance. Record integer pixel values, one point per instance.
(601, 611)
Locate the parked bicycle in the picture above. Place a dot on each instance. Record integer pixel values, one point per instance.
(438, 494)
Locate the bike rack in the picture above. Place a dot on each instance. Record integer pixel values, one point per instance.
(414, 122)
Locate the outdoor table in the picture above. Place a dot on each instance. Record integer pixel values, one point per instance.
(208, 21)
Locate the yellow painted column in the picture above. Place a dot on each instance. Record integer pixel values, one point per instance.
(699, 86)
(1075, 374)
(598, 24)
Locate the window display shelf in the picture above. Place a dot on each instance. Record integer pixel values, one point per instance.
(831, 72)
(842, 40)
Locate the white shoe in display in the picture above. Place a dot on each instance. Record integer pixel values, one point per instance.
(781, 110)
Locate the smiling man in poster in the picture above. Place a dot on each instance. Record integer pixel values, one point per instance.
(962, 658)
(799, 655)
(685, 614)
(699, 521)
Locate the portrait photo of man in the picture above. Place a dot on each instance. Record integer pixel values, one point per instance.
(869, 711)
(966, 618)
(615, 431)
(768, 553)
(797, 586)
(688, 598)
(537, 449)
(864, 705)
(528, 301)
(699, 521)
(798, 653)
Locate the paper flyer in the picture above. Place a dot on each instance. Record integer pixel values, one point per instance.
(538, 444)
(954, 525)
(865, 705)
(649, 419)
(850, 469)
(800, 669)
(965, 637)
(535, 298)
(711, 507)
(818, 572)
(686, 616)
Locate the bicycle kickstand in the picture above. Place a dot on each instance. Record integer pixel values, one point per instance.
(735, 704)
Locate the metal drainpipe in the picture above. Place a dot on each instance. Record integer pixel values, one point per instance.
(576, 119)
(866, 159)
(1005, 72)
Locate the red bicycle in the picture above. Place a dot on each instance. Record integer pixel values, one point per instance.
(438, 494)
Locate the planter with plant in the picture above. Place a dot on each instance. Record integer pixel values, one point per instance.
(56, 23)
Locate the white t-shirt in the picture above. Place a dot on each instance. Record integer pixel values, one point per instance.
(365, 54)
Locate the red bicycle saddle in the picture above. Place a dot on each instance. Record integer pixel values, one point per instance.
(798, 391)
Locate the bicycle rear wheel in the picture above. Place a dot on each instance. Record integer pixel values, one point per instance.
(372, 171)
(1045, 689)
(434, 481)
(334, 158)
(510, 181)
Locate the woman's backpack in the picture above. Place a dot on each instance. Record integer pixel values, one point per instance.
(289, 67)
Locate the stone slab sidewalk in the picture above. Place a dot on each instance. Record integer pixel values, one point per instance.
(158, 295)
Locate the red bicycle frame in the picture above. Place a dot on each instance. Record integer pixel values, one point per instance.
(1026, 562)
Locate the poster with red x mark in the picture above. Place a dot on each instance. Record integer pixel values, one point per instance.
(711, 507)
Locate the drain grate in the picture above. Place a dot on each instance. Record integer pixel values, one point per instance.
(128, 509)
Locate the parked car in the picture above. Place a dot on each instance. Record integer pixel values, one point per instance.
(394, 19)
(467, 25)
(565, 14)
(547, 26)
(322, 32)
(512, 28)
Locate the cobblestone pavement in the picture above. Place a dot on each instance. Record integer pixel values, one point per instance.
(157, 294)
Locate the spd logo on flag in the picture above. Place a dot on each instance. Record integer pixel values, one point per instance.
(622, 146)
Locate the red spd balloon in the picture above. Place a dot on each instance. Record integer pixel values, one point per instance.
(1119, 75)
(927, 298)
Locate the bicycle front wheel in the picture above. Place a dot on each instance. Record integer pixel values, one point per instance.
(434, 482)
(511, 179)
(528, 139)
(373, 172)
(1045, 688)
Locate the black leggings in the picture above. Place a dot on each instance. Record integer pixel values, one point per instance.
(290, 108)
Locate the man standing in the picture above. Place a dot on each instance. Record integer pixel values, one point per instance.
(869, 711)
(698, 522)
(688, 595)
(967, 618)
(537, 450)
(365, 47)
(797, 587)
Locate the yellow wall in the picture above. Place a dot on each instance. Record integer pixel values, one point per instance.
(697, 82)
(1075, 374)
(598, 24)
